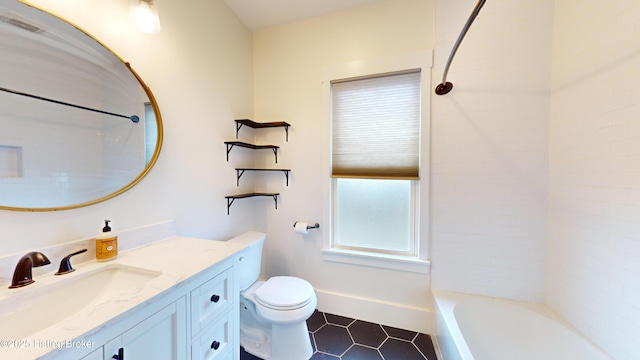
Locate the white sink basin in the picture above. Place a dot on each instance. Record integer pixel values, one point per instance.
(32, 311)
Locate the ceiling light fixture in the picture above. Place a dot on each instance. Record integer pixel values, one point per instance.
(145, 13)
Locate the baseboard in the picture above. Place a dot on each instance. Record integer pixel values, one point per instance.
(375, 311)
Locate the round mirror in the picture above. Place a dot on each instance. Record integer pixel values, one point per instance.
(77, 125)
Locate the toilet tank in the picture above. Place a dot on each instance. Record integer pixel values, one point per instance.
(249, 258)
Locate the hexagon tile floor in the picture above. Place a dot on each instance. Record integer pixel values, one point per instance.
(335, 337)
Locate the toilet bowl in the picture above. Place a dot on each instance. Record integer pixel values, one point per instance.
(273, 318)
(273, 313)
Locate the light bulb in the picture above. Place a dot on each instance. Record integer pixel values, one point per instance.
(146, 17)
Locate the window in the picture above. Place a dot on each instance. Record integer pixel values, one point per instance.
(150, 132)
(378, 112)
(375, 147)
(374, 215)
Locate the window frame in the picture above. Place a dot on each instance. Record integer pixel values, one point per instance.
(419, 261)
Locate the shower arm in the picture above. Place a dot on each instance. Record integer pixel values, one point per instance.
(444, 87)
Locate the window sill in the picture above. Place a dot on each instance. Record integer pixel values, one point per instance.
(385, 261)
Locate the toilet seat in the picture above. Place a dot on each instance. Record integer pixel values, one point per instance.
(284, 293)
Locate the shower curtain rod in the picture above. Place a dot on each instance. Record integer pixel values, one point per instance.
(133, 118)
(444, 87)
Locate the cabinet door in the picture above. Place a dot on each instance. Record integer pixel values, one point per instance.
(95, 355)
(216, 342)
(162, 336)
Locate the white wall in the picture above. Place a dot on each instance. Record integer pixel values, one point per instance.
(593, 262)
(289, 63)
(200, 70)
(489, 149)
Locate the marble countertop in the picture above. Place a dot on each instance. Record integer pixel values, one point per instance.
(173, 260)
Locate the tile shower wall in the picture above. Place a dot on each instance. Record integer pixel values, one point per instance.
(489, 149)
(593, 262)
(38, 174)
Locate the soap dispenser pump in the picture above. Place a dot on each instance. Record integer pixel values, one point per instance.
(106, 244)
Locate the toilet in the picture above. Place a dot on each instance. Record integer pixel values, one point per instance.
(273, 313)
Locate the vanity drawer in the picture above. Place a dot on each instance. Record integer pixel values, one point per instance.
(216, 341)
(210, 300)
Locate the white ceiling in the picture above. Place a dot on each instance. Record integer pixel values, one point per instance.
(263, 14)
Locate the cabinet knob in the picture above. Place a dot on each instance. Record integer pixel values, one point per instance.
(215, 298)
(215, 345)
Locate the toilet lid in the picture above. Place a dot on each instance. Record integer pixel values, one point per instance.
(284, 292)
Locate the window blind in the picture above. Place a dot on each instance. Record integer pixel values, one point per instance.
(376, 127)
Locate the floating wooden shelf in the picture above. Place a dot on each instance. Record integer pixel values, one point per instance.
(257, 125)
(240, 172)
(232, 198)
(231, 144)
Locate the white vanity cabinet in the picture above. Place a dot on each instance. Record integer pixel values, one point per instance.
(95, 355)
(198, 320)
(214, 314)
(161, 336)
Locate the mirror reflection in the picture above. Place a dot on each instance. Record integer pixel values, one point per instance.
(68, 105)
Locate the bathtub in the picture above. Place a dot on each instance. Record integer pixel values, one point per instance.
(470, 327)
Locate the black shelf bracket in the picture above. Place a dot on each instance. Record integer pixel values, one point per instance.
(238, 126)
(230, 201)
(229, 147)
(239, 173)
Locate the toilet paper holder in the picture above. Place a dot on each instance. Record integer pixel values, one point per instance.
(314, 226)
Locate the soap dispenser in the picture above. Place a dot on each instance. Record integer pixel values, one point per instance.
(106, 244)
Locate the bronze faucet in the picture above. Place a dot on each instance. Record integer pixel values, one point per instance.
(22, 276)
(65, 263)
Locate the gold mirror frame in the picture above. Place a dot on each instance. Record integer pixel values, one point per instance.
(154, 105)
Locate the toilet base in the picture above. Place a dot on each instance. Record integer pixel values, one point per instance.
(291, 342)
(256, 341)
(287, 342)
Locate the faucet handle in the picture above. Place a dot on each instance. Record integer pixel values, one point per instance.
(65, 263)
